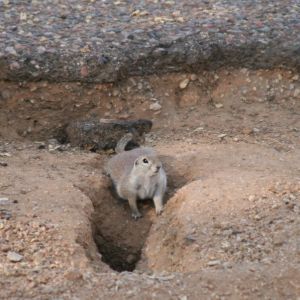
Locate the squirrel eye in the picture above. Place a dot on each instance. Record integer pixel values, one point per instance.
(145, 161)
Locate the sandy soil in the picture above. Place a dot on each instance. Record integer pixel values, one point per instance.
(229, 141)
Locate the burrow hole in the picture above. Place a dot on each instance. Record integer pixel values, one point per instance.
(118, 237)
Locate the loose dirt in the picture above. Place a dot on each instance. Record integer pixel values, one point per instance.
(229, 141)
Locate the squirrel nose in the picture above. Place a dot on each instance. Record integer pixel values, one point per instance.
(157, 168)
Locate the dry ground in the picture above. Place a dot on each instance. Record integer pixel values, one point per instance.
(229, 141)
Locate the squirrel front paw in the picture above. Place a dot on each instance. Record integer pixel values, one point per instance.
(159, 210)
(136, 215)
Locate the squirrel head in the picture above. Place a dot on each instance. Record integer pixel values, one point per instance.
(150, 165)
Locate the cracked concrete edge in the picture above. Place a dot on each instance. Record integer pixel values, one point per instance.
(191, 54)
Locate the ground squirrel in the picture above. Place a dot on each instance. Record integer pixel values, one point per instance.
(138, 174)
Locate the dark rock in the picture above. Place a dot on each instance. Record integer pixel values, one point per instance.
(104, 134)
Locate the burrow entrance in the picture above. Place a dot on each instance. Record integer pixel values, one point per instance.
(118, 237)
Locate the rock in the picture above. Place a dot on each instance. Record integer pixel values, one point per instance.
(257, 217)
(104, 134)
(4, 201)
(219, 105)
(5, 154)
(11, 50)
(193, 77)
(184, 83)
(198, 129)
(5, 214)
(23, 16)
(292, 197)
(41, 49)
(33, 88)
(222, 135)
(225, 245)
(214, 263)
(14, 256)
(162, 278)
(251, 198)
(115, 93)
(295, 77)
(155, 106)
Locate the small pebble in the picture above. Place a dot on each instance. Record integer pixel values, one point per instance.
(193, 77)
(41, 49)
(219, 105)
(251, 198)
(4, 201)
(155, 106)
(222, 135)
(14, 256)
(198, 129)
(214, 263)
(5, 154)
(11, 51)
(184, 83)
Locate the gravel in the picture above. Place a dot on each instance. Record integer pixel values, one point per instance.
(102, 41)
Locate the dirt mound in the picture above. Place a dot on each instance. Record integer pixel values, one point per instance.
(230, 214)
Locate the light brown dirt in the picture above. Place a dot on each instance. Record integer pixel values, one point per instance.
(231, 226)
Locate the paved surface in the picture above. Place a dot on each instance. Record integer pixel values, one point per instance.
(100, 41)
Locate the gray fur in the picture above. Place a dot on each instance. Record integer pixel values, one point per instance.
(138, 174)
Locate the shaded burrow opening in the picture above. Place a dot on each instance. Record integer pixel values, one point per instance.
(119, 238)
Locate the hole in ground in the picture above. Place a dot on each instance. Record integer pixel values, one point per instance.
(119, 238)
